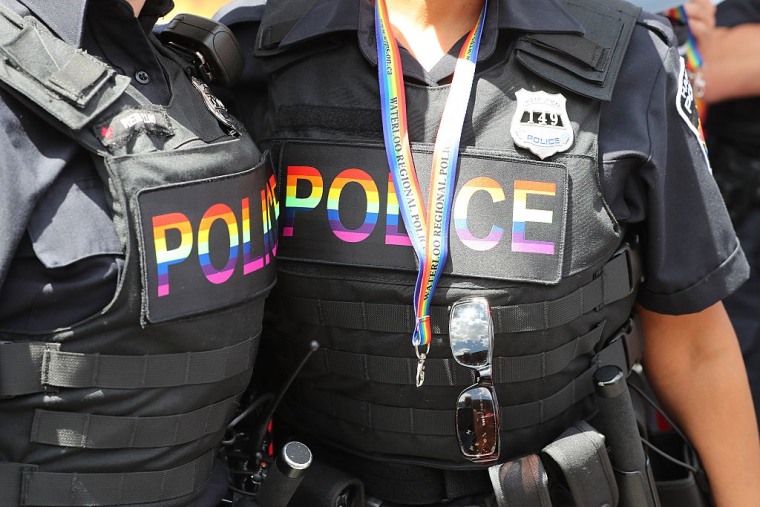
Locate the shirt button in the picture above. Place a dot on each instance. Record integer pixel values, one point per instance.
(142, 77)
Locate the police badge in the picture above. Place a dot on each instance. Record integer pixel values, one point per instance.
(541, 124)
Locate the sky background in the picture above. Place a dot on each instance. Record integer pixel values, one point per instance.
(205, 8)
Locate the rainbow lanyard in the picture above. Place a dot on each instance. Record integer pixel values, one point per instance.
(692, 56)
(428, 229)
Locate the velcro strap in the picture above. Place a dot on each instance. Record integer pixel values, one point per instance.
(35, 367)
(89, 431)
(439, 422)
(521, 483)
(65, 82)
(20, 367)
(447, 372)
(26, 485)
(616, 281)
(581, 455)
(587, 64)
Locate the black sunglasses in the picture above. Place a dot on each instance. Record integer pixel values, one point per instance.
(477, 411)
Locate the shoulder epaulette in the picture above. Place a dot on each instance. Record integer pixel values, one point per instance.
(58, 80)
(278, 20)
(589, 63)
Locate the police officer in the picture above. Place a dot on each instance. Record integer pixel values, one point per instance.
(133, 264)
(731, 69)
(572, 130)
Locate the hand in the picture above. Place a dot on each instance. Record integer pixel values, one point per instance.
(701, 15)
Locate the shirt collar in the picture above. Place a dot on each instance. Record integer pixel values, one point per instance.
(66, 18)
(329, 16)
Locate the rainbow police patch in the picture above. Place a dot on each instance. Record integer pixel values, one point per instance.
(207, 244)
(340, 206)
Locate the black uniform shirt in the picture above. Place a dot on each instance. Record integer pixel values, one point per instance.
(654, 172)
(735, 12)
(735, 122)
(59, 255)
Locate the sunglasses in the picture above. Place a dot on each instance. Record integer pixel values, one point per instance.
(477, 411)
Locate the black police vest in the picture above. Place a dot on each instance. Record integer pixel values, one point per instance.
(534, 237)
(129, 405)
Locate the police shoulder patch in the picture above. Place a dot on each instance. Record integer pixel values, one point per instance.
(686, 104)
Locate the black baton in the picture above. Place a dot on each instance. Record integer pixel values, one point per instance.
(632, 470)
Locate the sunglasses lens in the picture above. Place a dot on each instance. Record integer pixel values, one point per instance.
(471, 332)
(477, 424)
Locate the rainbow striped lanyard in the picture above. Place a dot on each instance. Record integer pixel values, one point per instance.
(428, 229)
(693, 57)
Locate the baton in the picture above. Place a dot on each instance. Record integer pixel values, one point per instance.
(632, 470)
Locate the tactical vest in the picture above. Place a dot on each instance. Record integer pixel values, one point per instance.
(560, 287)
(129, 405)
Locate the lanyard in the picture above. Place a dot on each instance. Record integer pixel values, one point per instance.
(428, 229)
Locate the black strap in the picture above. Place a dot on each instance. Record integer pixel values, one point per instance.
(27, 368)
(27, 485)
(582, 457)
(90, 431)
(522, 482)
(447, 372)
(278, 19)
(617, 279)
(420, 421)
(68, 84)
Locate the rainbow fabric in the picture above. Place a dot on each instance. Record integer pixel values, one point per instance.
(692, 56)
(427, 229)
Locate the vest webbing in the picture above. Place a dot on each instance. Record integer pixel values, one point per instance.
(37, 367)
(622, 351)
(24, 485)
(89, 431)
(447, 372)
(618, 279)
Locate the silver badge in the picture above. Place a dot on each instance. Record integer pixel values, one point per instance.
(541, 124)
(216, 107)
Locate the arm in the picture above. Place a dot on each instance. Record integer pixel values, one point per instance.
(731, 67)
(695, 366)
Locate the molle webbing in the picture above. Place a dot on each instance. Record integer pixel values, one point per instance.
(64, 82)
(447, 372)
(89, 431)
(620, 352)
(35, 367)
(24, 485)
(618, 279)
